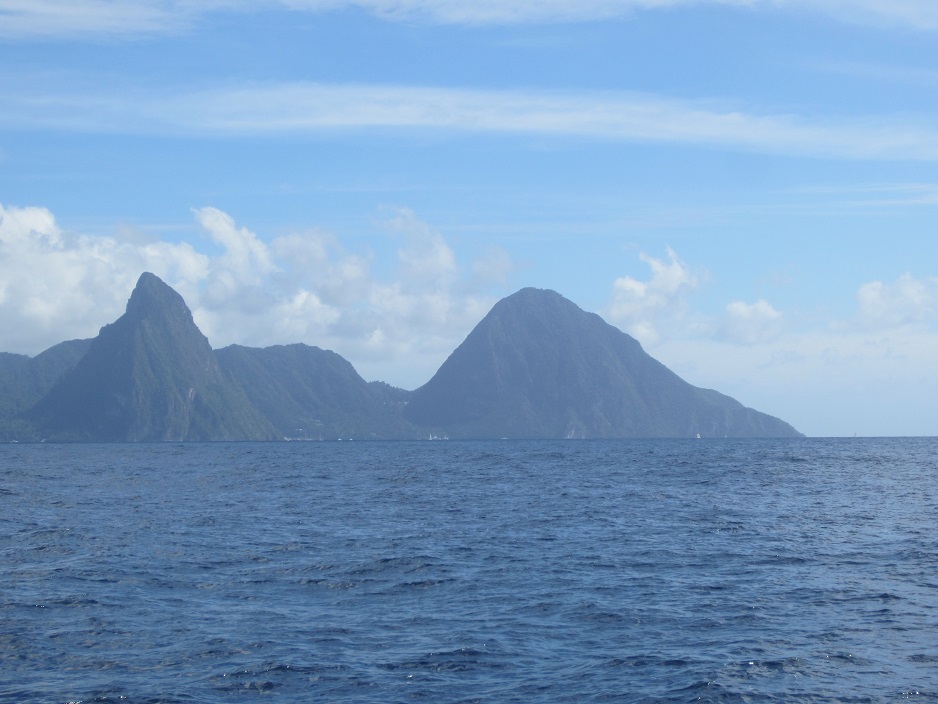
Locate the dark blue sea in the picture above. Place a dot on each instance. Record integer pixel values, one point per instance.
(507, 571)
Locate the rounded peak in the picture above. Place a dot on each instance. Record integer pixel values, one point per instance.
(535, 299)
(532, 292)
(529, 295)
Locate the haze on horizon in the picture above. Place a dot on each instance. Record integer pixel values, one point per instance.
(749, 187)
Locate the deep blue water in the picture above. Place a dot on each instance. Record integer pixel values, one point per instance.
(575, 571)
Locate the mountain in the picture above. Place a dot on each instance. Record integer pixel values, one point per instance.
(310, 393)
(537, 366)
(24, 380)
(149, 376)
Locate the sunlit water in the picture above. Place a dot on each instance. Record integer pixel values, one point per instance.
(576, 571)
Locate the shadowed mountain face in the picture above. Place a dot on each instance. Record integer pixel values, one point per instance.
(150, 375)
(537, 366)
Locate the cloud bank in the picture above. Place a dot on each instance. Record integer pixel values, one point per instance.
(56, 285)
(303, 287)
(660, 308)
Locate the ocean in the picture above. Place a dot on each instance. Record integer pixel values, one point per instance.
(499, 571)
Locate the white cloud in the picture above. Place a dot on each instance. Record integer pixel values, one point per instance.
(317, 258)
(749, 323)
(427, 307)
(906, 300)
(56, 285)
(307, 288)
(302, 287)
(425, 258)
(241, 270)
(643, 307)
(245, 255)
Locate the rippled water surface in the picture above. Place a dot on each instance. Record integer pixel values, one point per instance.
(627, 571)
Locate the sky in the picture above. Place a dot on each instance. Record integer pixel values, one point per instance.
(748, 187)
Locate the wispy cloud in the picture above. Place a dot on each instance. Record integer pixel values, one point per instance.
(26, 19)
(485, 12)
(309, 108)
(876, 196)
(915, 14)
(920, 14)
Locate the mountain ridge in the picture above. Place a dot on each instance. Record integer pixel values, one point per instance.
(535, 366)
(309, 393)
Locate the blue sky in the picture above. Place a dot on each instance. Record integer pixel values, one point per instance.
(750, 187)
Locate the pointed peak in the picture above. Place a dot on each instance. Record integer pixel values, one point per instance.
(150, 282)
(152, 294)
(148, 278)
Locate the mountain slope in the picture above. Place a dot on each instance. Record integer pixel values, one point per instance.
(150, 375)
(310, 393)
(538, 366)
(24, 380)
